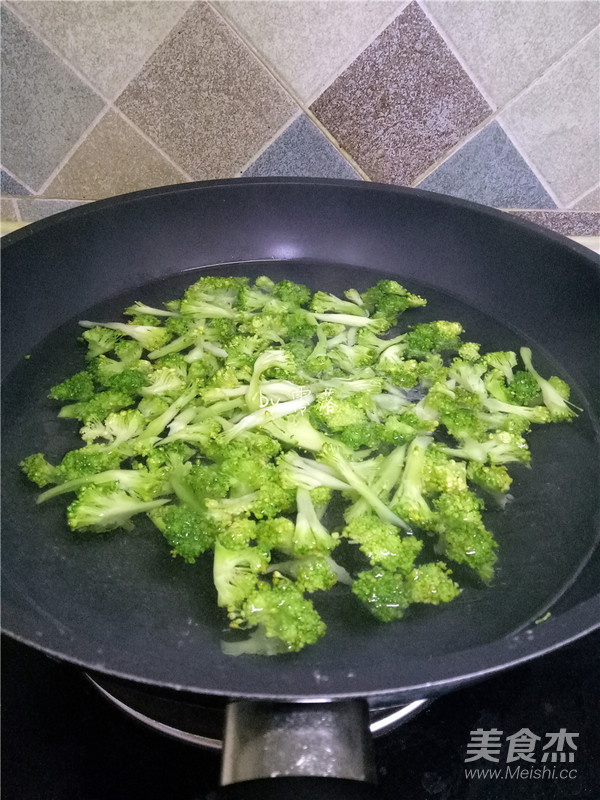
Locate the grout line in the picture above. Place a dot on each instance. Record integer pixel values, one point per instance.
(58, 54)
(136, 73)
(582, 197)
(457, 54)
(454, 149)
(15, 178)
(400, 7)
(281, 130)
(498, 111)
(288, 91)
(109, 104)
(116, 110)
(72, 150)
(17, 210)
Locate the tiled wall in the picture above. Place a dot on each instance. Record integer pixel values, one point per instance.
(495, 101)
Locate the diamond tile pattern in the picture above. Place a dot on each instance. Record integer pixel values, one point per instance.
(107, 42)
(489, 170)
(403, 102)
(114, 159)
(506, 45)
(46, 108)
(302, 150)
(556, 122)
(496, 101)
(308, 43)
(205, 99)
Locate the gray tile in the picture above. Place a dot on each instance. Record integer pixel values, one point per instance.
(114, 159)
(489, 170)
(106, 41)
(309, 42)
(555, 123)
(591, 201)
(46, 108)
(302, 150)
(569, 223)
(10, 186)
(32, 209)
(205, 98)
(403, 102)
(506, 45)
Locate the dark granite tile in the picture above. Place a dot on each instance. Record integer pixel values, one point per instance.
(205, 98)
(46, 108)
(489, 170)
(403, 102)
(302, 150)
(11, 186)
(569, 223)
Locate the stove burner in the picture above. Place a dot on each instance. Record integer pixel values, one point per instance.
(199, 719)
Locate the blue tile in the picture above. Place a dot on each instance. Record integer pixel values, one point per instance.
(302, 151)
(10, 186)
(489, 170)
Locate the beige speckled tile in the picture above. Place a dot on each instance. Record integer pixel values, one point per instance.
(507, 44)
(8, 210)
(205, 98)
(555, 122)
(114, 159)
(32, 209)
(107, 41)
(308, 43)
(403, 102)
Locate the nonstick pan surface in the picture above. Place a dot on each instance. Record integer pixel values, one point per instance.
(117, 603)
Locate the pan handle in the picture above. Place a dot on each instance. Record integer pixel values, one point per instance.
(317, 749)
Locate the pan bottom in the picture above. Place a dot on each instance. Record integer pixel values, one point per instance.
(200, 720)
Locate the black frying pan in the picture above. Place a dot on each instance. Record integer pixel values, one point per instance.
(117, 604)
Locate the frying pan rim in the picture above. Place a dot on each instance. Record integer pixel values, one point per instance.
(527, 644)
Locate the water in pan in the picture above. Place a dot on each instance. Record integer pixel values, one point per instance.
(117, 601)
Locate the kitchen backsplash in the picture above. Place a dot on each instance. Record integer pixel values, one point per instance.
(496, 101)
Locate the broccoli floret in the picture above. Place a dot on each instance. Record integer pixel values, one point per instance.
(276, 533)
(105, 507)
(98, 407)
(117, 428)
(236, 573)
(504, 361)
(388, 299)
(431, 583)
(294, 295)
(382, 544)
(78, 387)
(324, 301)
(555, 392)
(493, 477)
(385, 593)
(333, 457)
(313, 573)
(88, 460)
(433, 337)
(365, 434)
(283, 612)
(524, 390)
(500, 447)
(408, 502)
(139, 308)
(150, 337)
(463, 537)
(443, 474)
(39, 470)
(310, 535)
(100, 340)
